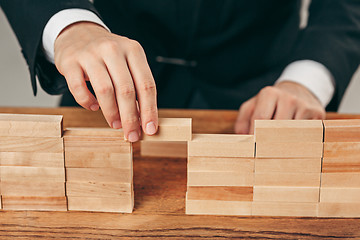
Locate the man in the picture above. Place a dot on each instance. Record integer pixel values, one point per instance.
(202, 54)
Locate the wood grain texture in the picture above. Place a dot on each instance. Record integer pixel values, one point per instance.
(171, 129)
(163, 149)
(93, 132)
(160, 188)
(220, 193)
(289, 150)
(286, 194)
(32, 159)
(34, 203)
(31, 144)
(288, 131)
(285, 179)
(347, 130)
(340, 164)
(342, 150)
(9, 173)
(215, 207)
(347, 180)
(101, 144)
(221, 145)
(285, 209)
(339, 210)
(33, 188)
(295, 165)
(222, 164)
(340, 195)
(92, 189)
(98, 160)
(121, 175)
(24, 125)
(220, 179)
(101, 204)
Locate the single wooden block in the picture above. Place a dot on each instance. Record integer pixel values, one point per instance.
(346, 164)
(34, 203)
(97, 144)
(163, 149)
(98, 160)
(8, 173)
(288, 131)
(221, 145)
(294, 165)
(32, 159)
(95, 189)
(215, 207)
(286, 194)
(276, 179)
(120, 175)
(285, 209)
(32, 188)
(345, 130)
(31, 144)
(172, 129)
(342, 150)
(339, 210)
(26, 125)
(343, 180)
(289, 150)
(340, 195)
(93, 132)
(101, 204)
(220, 193)
(215, 164)
(220, 179)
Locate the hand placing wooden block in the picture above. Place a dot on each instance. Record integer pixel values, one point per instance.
(340, 195)
(286, 194)
(285, 209)
(34, 203)
(346, 164)
(121, 175)
(216, 164)
(32, 159)
(339, 210)
(342, 150)
(172, 129)
(101, 204)
(346, 130)
(289, 150)
(220, 193)
(288, 131)
(276, 179)
(163, 149)
(338, 180)
(221, 145)
(33, 188)
(26, 125)
(220, 179)
(287, 165)
(92, 189)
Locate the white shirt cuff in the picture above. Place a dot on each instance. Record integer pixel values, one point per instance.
(312, 75)
(60, 21)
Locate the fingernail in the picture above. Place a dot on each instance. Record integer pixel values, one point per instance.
(116, 124)
(94, 107)
(150, 128)
(133, 136)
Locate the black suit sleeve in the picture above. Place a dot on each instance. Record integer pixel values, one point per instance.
(28, 19)
(332, 37)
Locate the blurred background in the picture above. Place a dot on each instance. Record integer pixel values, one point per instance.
(15, 87)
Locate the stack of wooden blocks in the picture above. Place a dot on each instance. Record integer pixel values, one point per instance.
(32, 173)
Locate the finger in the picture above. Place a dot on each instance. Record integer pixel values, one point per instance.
(145, 88)
(286, 108)
(304, 113)
(242, 124)
(104, 91)
(125, 96)
(74, 76)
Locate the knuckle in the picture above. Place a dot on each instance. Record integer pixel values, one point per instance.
(105, 89)
(148, 87)
(269, 90)
(130, 121)
(109, 45)
(135, 46)
(127, 91)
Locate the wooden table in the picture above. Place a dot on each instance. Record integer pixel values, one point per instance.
(160, 186)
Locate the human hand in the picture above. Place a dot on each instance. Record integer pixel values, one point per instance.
(118, 72)
(286, 100)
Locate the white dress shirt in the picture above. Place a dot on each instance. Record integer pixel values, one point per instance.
(311, 74)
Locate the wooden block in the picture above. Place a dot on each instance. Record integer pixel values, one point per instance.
(101, 204)
(32, 159)
(344, 180)
(97, 144)
(172, 129)
(99, 175)
(98, 160)
(346, 164)
(346, 130)
(220, 193)
(25, 125)
(94, 189)
(221, 145)
(35, 189)
(276, 179)
(163, 149)
(288, 131)
(285, 209)
(34, 203)
(220, 179)
(215, 207)
(340, 195)
(8, 173)
(93, 132)
(289, 150)
(295, 165)
(216, 164)
(286, 194)
(342, 150)
(31, 144)
(339, 210)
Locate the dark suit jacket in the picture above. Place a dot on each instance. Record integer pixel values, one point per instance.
(239, 46)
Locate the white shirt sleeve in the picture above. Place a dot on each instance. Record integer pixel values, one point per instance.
(60, 21)
(312, 75)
